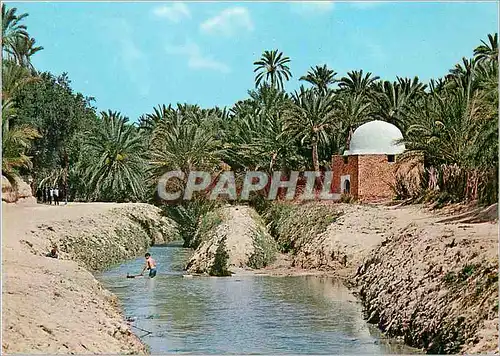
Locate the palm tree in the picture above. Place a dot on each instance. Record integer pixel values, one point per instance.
(259, 141)
(12, 29)
(357, 83)
(351, 111)
(273, 67)
(14, 77)
(392, 99)
(412, 87)
(320, 77)
(455, 130)
(16, 142)
(310, 119)
(22, 50)
(269, 100)
(184, 141)
(148, 122)
(437, 85)
(462, 74)
(16, 139)
(116, 168)
(255, 132)
(487, 51)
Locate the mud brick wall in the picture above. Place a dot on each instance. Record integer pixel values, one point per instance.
(340, 169)
(375, 174)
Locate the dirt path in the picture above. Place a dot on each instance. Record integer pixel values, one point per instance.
(55, 305)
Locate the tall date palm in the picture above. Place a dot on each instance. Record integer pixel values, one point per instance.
(273, 67)
(310, 119)
(321, 77)
(115, 170)
(12, 28)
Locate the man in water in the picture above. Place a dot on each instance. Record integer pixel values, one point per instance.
(150, 265)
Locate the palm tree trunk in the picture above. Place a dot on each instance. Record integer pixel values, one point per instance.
(273, 161)
(315, 156)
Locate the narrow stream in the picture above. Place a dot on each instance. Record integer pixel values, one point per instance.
(244, 315)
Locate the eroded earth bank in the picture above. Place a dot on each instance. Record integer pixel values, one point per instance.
(56, 305)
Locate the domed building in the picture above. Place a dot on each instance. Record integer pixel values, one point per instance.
(366, 169)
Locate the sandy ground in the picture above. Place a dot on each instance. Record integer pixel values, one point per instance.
(54, 305)
(342, 248)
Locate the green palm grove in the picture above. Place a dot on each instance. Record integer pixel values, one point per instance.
(52, 135)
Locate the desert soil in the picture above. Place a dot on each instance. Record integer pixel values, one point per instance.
(56, 305)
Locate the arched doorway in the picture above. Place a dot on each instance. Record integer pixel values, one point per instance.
(347, 187)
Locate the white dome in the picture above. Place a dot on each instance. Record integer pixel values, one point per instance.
(376, 137)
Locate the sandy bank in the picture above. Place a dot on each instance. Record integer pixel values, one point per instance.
(436, 286)
(56, 305)
(421, 275)
(356, 232)
(242, 235)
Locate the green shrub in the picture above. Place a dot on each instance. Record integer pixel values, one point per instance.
(219, 266)
(264, 249)
(466, 272)
(188, 216)
(347, 198)
(275, 214)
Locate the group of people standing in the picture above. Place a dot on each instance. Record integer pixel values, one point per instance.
(49, 195)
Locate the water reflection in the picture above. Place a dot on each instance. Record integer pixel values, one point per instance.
(250, 314)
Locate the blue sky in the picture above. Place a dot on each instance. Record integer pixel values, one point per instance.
(134, 56)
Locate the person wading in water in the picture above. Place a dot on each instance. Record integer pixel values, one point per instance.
(150, 265)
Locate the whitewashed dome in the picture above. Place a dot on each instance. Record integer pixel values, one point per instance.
(376, 137)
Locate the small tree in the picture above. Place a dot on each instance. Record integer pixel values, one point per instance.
(219, 267)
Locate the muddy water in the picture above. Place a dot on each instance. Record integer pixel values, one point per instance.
(250, 314)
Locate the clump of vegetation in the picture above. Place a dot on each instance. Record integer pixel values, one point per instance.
(461, 276)
(274, 214)
(191, 216)
(449, 277)
(347, 198)
(466, 272)
(265, 249)
(293, 225)
(219, 267)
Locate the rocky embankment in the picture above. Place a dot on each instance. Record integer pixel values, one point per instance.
(436, 286)
(357, 230)
(429, 280)
(237, 233)
(56, 305)
(17, 191)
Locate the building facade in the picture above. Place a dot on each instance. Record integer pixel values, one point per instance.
(366, 169)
